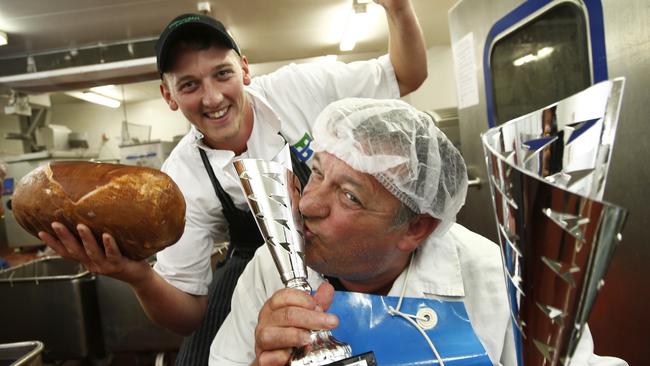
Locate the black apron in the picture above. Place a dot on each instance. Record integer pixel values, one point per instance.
(245, 238)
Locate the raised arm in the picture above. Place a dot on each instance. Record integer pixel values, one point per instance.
(406, 45)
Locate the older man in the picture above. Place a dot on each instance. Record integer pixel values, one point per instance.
(379, 213)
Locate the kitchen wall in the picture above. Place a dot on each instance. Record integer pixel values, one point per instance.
(98, 121)
(439, 90)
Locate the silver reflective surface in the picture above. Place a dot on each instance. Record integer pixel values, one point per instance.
(21, 353)
(273, 193)
(547, 172)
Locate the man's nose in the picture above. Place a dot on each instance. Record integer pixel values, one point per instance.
(212, 95)
(314, 203)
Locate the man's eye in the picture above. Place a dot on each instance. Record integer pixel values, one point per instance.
(222, 74)
(352, 198)
(187, 86)
(316, 172)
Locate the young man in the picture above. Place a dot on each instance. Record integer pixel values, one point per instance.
(205, 76)
(379, 212)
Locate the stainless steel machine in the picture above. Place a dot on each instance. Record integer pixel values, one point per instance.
(512, 57)
(151, 154)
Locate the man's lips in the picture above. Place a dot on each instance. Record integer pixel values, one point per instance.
(218, 114)
(308, 233)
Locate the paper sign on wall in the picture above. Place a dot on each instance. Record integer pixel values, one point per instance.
(465, 69)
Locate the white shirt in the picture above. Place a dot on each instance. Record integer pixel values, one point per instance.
(460, 266)
(288, 100)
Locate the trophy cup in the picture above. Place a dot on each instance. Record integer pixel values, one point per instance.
(273, 192)
(547, 172)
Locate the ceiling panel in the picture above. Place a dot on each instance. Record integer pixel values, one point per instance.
(270, 32)
(266, 30)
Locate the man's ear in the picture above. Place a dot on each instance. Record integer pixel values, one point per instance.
(245, 70)
(167, 96)
(418, 229)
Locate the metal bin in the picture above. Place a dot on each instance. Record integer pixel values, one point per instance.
(21, 354)
(52, 300)
(125, 326)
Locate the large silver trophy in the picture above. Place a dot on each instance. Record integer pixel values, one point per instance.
(547, 173)
(273, 192)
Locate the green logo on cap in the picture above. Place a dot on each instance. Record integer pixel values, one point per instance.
(175, 24)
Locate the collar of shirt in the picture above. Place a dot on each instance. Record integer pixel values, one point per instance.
(265, 141)
(435, 270)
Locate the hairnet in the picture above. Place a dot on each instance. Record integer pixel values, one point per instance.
(402, 148)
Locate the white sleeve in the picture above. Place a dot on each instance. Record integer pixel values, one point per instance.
(186, 264)
(234, 344)
(508, 355)
(373, 78)
(318, 84)
(584, 354)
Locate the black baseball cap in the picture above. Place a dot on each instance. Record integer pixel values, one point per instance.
(200, 22)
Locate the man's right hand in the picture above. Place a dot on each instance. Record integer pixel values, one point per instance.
(108, 260)
(285, 322)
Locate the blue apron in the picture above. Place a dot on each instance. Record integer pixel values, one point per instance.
(366, 325)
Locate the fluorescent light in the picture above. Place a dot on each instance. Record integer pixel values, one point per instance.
(357, 22)
(95, 98)
(3, 38)
(544, 52)
(110, 91)
(103, 89)
(525, 59)
(533, 57)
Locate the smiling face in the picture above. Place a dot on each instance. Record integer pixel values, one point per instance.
(349, 227)
(207, 85)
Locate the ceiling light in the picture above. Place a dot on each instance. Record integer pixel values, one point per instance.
(3, 38)
(95, 98)
(357, 22)
(110, 91)
(204, 7)
(103, 89)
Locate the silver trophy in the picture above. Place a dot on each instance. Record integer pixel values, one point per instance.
(547, 173)
(273, 192)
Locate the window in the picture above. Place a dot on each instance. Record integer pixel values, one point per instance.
(541, 62)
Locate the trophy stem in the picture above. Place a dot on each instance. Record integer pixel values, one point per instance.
(323, 350)
(299, 283)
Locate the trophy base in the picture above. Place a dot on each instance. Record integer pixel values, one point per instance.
(364, 359)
